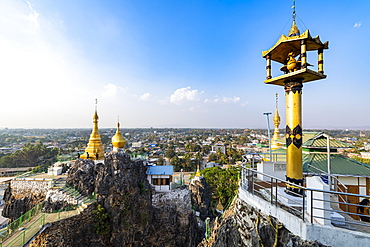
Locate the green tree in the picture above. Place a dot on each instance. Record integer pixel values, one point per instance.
(206, 149)
(176, 162)
(160, 161)
(212, 157)
(224, 183)
(170, 153)
(31, 154)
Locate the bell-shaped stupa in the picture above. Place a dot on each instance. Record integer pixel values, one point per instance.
(118, 141)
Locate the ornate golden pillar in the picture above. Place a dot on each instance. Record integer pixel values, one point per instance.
(296, 72)
(268, 67)
(294, 171)
(303, 54)
(320, 61)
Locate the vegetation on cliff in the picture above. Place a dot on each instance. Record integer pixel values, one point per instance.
(224, 183)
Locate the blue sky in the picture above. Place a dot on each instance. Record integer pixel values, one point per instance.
(173, 63)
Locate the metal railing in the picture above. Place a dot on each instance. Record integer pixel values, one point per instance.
(16, 227)
(270, 189)
(23, 219)
(254, 158)
(320, 172)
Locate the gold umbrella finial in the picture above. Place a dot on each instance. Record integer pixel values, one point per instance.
(294, 31)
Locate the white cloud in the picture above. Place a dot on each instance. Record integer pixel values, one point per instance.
(357, 24)
(110, 90)
(225, 100)
(145, 97)
(245, 103)
(235, 99)
(185, 94)
(33, 16)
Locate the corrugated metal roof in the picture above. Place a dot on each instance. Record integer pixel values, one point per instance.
(306, 136)
(340, 165)
(321, 142)
(313, 140)
(160, 170)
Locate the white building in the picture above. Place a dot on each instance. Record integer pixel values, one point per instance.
(160, 177)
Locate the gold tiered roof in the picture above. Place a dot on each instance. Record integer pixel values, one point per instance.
(95, 149)
(118, 141)
(292, 44)
(279, 52)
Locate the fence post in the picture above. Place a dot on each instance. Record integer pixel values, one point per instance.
(311, 206)
(276, 192)
(303, 201)
(41, 220)
(272, 192)
(252, 185)
(23, 237)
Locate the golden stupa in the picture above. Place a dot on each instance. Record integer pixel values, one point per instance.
(276, 119)
(118, 141)
(95, 149)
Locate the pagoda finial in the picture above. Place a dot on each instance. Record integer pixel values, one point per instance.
(197, 174)
(294, 31)
(96, 117)
(276, 115)
(276, 119)
(276, 98)
(118, 141)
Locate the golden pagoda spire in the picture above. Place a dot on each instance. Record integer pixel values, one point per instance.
(197, 174)
(94, 149)
(276, 119)
(118, 141)
(294, 31)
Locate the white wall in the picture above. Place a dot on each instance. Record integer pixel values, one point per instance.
(315, 182)
(275, 169)
(355, 181)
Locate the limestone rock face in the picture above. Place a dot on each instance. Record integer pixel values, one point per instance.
(124, 214)
(244, 225)
(82, 176)
(76, 229)
(173, 217)
(57, 199)
(201, 197)
(20, 197)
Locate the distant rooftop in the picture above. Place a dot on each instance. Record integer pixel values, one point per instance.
(160, 170)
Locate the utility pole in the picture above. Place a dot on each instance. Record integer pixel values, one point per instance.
(268, 131)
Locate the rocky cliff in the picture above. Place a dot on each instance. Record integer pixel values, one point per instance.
(244, 225)
(22, 195)
(201, 197)
(123, 214)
